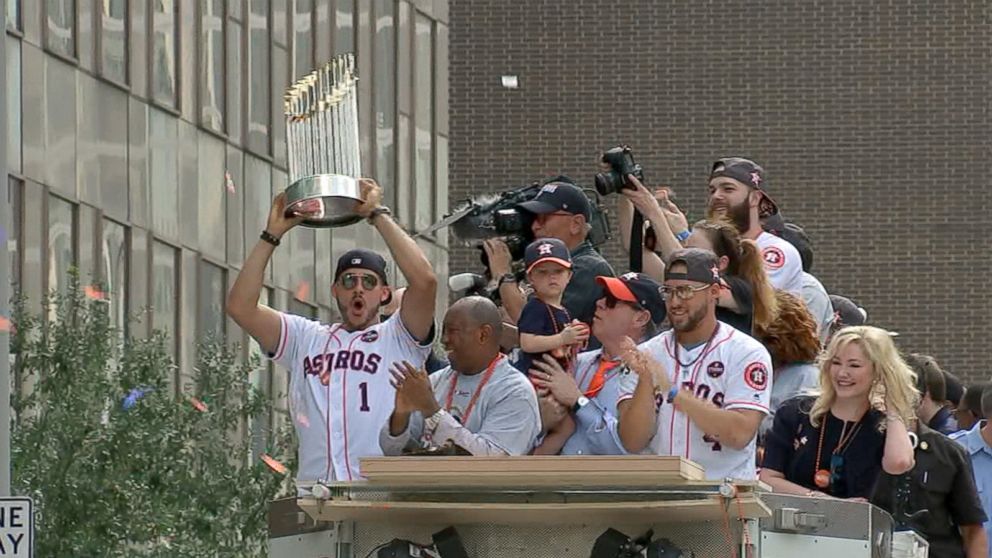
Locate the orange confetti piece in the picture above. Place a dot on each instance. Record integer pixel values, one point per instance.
(93, 293)
(6, 325)
(303, 420)
(302, 290)
(198, 405)
(229, 182)
(274, 465)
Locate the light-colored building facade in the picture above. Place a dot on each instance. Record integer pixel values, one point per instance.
(146, 141)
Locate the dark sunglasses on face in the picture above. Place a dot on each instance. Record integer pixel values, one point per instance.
(611, 302)
(350, 281)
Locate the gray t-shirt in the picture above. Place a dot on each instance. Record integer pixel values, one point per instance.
(818, 303)
(503, 421)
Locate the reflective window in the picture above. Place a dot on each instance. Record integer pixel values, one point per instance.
(61, 26)
(212, 76)
(260, 378)
(13, 104)
(163, 150)
(344, 26)
(61, 245)
(235, 66)
(14, 14)
(14, 234)
(423, 121)
(302, 309)
(164, 51)
(303, 38)
(114, 272)
(164, 290)
(113, 40)
(384, 94)
(212, 289)
(258, 89)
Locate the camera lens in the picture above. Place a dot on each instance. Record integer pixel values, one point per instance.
(608, 183)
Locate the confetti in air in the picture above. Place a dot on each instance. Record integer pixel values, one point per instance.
(303, 420)
(273, 464)
(302, 290)
(94, 293)
(133, 396)
(229, 182)
(6, 325)
(198, 405)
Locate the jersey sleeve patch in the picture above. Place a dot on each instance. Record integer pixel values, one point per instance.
(756, 376)
(774, 257)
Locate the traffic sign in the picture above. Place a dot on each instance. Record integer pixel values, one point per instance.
(16, 528)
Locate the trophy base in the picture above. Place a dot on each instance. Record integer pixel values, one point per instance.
(325, 200)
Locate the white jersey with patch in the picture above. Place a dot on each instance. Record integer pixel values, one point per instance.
(732, 371)
(783, 264)
(339, 390)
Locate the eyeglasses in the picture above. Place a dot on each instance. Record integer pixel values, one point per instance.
(611, 302)
(350, 281)
(684, 292)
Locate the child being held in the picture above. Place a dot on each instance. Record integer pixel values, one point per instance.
(545, 325)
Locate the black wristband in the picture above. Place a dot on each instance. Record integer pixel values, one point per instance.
(381, 210)
(507, 278)
(269, 237)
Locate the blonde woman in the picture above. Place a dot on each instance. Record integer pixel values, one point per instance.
(836, 444)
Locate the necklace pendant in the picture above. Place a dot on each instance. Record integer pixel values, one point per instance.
(822, 478)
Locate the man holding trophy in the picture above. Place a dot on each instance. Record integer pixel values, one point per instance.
(340, 373)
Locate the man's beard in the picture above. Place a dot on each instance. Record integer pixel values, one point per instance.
(692, 320)
(739, 215)
(369, 315)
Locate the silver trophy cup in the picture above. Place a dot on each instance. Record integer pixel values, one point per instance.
(322, 141)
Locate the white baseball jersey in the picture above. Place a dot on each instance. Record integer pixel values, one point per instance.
(339, 389)
(733, 371)
(783, 264)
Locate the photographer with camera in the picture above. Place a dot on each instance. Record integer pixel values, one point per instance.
(560, 210)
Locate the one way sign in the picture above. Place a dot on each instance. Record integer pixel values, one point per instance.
(16, 528)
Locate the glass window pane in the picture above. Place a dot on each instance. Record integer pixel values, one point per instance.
(13, 14)
(114, 272)
(302, 309)
(303, 38)
(441, 77)
(164, 281)
(258, 91)
(163, 148)
(14, 234)
(236, 69)
(61, 252)
(60, 36)
(344, 27)
(13, 104)
(423, 121)
(279, 16)
(164, 53)
(404, 170)
(212, 65)
(260, 378)
(404, 32)
(113, 40)
(384, 96)
(212, 288)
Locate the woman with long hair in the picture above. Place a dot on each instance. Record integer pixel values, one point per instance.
(793, 344)
(835, 444)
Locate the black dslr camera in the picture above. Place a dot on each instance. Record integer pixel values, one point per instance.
(621, 162)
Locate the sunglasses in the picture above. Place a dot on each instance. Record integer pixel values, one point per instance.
(350, 281)
(684, 292)
(611, 302)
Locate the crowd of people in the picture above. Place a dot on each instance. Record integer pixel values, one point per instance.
(723, 349)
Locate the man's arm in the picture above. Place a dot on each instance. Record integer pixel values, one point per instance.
(638, 415)
(732, 427)
(510, 426)
(260, 322)
(417, 307)
(976, 544)
(393, 442)
(500, 264)
(601, 429)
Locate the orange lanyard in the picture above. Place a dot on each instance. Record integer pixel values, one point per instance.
(475, 396)
(599, 378)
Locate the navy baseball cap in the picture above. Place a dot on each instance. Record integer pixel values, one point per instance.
(638, 289)
(559, 196)
(846, 312)
(700, 265)
(793, 234)
(746, 172)
(547, 250)
(363, 259)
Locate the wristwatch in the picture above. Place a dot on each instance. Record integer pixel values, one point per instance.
(507, 278)
(582, 401)
(381, 210)
(431, 422)
(269, 237)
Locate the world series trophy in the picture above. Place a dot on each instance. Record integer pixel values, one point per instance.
(321, 112)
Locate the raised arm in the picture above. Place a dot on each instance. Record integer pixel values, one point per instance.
(417, 307)
(259, 321)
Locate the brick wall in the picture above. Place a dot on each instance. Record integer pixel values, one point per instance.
(871, 119)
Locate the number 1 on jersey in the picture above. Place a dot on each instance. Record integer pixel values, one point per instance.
(364, 388)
